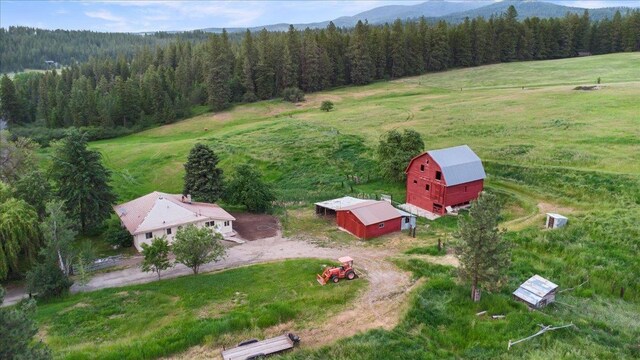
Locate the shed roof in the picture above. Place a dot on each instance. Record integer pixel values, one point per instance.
(339, 203)
(459, 164)
(557, 216)
(373, 212)
(534, 289)
(159, 210)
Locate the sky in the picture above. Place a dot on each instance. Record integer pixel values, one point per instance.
(138, 16)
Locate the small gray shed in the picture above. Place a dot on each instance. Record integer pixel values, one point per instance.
(536, 292)
(555, 221)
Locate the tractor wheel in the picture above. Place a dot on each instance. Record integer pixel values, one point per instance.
(335, 279)
(351, 275)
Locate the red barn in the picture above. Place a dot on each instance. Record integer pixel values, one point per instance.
(446, 177)
(369, 219)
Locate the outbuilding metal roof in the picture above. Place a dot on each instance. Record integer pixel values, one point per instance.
(159, 210)
(534, 289)
(339, 203)
(459, 164)
(557, 216)
(373, 212)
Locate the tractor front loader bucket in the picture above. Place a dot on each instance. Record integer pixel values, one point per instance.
(321, 280)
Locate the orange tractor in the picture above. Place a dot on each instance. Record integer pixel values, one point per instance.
(334, 274)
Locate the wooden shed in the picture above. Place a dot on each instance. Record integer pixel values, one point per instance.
(369, 219)
(537, 292)
(444, 178)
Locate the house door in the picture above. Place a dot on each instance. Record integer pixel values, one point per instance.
(550, 223)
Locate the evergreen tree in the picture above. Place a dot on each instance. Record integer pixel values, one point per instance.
(398, 50)
(203, 179)
(219, 75)
(360, 59)
(10, 108)
(82, 181)
(17, 331)
(484, 255)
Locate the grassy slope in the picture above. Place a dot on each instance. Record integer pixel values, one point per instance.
(164, 317)
(545, 142)
(550, 125)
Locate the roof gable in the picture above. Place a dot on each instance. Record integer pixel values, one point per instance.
(459, 164)
(373, 212)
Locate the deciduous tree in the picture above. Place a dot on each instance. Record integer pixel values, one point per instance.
(395, 150)
(156, 256)
(247, 188)
(195, 246)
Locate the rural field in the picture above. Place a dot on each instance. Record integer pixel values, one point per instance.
(545, 147)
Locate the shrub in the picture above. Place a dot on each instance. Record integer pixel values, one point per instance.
(292, 94)
(249, 97)
(47, 280)
(117, 235)
(326, 106)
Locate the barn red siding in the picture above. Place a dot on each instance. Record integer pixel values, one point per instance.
(421, 174)
(348, 221)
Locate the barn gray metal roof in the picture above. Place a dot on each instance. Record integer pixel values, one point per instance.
(459, 164)
(534, 289)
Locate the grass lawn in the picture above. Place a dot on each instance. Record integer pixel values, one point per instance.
(169, 316)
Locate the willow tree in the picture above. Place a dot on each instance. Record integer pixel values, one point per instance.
(19, 235)
(483, 253)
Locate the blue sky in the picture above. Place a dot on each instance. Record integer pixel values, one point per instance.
(131, 16)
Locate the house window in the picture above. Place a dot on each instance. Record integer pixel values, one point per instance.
(210, 223)
(427, 187)
(422, 167)
(148, 235)
(226, 223)
(381, 225)
(169, 231)
(438, 175)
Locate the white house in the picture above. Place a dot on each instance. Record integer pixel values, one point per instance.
(158, 214)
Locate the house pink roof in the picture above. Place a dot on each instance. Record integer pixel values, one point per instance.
(159, 210)
(373, 212)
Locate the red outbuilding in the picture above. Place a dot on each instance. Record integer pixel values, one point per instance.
(369, 219)
(441, 178)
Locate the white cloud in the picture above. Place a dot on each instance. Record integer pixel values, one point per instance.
(104, 15)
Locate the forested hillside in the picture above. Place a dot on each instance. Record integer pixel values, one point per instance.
(28, 48)
(161, 85)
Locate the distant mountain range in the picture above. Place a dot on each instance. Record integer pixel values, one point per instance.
(448, 10)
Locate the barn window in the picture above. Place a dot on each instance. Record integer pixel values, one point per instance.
(427, 187)
(415, 181)
(406, 220)
(422, 167)
(438, 175)
(169, 231)
(381, 225)
(465, 189)
(148, 235)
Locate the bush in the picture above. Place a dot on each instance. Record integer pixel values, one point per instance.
(47, 280)
(292, 94)
(249, 97)
(326, 106)
(117, 235)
